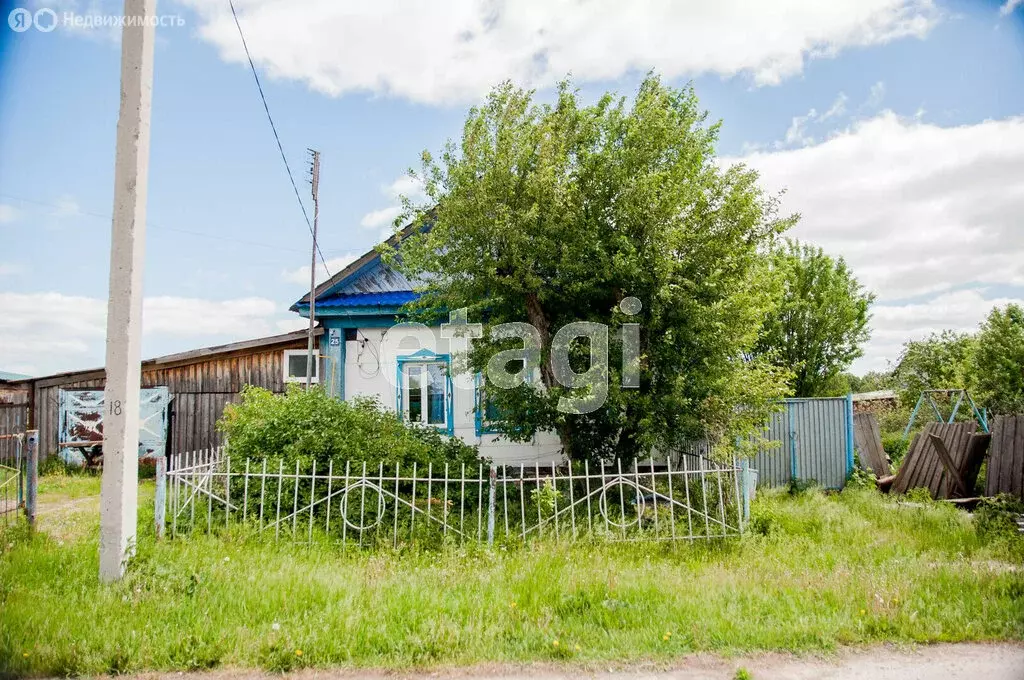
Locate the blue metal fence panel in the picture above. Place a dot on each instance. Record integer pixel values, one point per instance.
(810, 441)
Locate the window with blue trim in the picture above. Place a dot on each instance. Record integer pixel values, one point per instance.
(425, 391)
(489, 414)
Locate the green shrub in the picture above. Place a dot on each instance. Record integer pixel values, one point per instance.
(306, 426)
(896, 446)
(859, 478)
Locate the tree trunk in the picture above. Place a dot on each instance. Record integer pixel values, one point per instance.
(536, 316)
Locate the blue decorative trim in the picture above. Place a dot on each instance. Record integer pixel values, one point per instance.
(389, 298)
(425, 356)
(481, 426)
(364, 311)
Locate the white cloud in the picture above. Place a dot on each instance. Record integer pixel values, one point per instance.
(334, 264)
(916, 209)
(876, 95)
(381, 218)
(1008, 7)
(838, 107)
(797, 135)
(893, 325)
(48, 332)
(455, 51)
(8, 213)
(66, 206)
(407, 185)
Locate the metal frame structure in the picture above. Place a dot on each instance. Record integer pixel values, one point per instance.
(961, 394)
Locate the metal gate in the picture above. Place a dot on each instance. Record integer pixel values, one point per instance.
(813, 442)
(12, 487)
(81, 422)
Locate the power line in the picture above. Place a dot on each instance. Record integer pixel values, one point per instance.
(277, 138)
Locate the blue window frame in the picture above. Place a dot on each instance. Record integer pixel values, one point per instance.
(425, 393)
(486, 413)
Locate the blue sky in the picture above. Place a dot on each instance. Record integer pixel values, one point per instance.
(894, 126)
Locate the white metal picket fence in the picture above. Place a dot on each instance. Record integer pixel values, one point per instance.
(394, 505)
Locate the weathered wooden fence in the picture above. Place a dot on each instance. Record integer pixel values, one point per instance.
(394, 505)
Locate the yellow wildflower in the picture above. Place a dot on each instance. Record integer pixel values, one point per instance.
(298, 652)
(555, 643)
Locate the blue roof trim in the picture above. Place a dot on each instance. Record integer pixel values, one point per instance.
(388, 299)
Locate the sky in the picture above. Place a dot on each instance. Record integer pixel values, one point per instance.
(895, 128)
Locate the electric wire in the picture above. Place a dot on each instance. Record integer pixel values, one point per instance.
(277, 138)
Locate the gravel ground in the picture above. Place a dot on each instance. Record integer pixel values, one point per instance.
(944, 662)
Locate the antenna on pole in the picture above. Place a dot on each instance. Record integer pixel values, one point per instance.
(310, 357)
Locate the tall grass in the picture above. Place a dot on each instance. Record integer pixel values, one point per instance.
(815, 571)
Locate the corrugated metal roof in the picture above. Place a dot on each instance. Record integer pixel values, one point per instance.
(388, 299)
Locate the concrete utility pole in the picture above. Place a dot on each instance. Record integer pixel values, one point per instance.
(310, 357)
(119, 491)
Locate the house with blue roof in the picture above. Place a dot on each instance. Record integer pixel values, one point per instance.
(406, 369)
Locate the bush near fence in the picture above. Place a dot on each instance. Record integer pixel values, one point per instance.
(309, 425)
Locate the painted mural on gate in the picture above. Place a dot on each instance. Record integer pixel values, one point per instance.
(81, 424)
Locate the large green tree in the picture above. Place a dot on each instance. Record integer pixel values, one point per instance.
(556, 213)
(821, 322)
(997, 366)
(940, 361)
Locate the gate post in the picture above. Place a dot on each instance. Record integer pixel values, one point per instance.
(849, 434)
(491, 479)
(32, 477)
(160, 509)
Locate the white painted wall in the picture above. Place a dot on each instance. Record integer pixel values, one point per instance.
(371, 370)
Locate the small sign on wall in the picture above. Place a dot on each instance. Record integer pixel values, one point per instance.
(334, 337)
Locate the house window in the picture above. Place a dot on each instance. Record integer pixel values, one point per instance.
(295, 366)
(426, 392)
(488, 413)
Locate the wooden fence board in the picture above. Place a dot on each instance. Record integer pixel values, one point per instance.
(868, 438)
(1016, 471)
(922, 466)
(1006, 464)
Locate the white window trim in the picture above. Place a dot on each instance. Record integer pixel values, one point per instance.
(288, 353)
(407, 393)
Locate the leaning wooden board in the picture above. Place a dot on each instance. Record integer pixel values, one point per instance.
(868, 438)
(922, 466)
(1006, 463)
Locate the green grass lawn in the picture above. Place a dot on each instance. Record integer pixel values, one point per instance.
(815, 571)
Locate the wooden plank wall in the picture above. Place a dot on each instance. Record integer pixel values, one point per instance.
(1006, 461)
(200, 390)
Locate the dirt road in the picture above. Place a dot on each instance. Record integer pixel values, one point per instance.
(942, 662)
